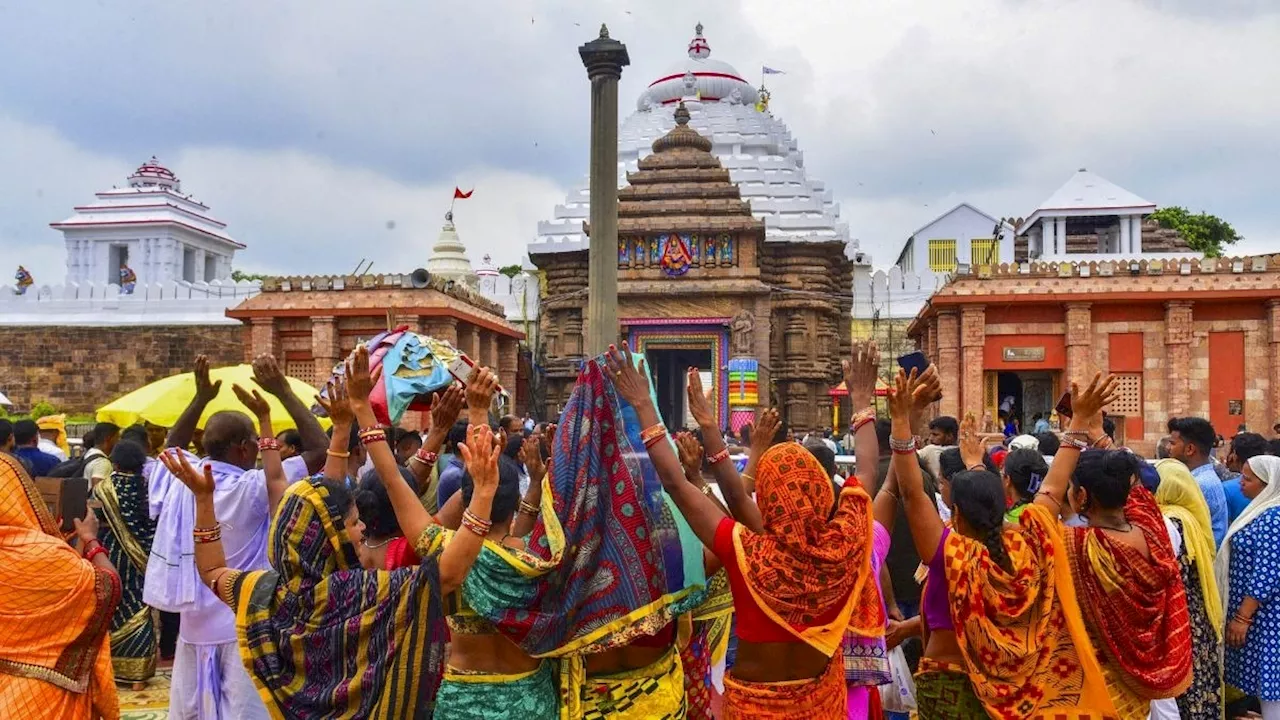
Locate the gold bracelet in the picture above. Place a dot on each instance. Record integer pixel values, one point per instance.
(747, 476)
(338, 454)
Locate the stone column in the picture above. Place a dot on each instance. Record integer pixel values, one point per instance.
(1061, 234)
(443, 328)
(1273, 336)
(1135, 234)
(948, 361)
(1177, 346)
(489, 351)
(262, 338)
(469, 341)
(1079, 342)
(973, 336)
(604, 59)
(1126, 237)
(324, 345)
(508, 364)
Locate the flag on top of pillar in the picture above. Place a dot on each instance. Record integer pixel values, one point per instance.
(459, 195)
(766, 70)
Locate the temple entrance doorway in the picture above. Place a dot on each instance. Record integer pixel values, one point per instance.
(1025, 395)
(668, 365)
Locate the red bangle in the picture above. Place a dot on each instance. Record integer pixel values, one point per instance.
(719, 457)
(268, 443)
(88, 545)
(427, 458)
(99, 550)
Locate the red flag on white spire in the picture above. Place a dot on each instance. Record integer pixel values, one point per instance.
(459, 195)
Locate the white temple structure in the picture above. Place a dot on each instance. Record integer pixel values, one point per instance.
(757, 149)
(151, 227)
(449, 256)
(1087, 204)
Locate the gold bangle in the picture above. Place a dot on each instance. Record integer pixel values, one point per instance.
(747, 476)
(338, 453)
(706, 490)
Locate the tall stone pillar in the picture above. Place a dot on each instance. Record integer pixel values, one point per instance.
(1079, 342)
(489, 351)
(443, 328)
(973, 336)
(1136, 234)
(604, 59)
(324, 345)
(948, 361)
(1177, 346)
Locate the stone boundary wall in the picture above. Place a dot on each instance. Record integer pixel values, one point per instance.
(89, 304)
(80, 368)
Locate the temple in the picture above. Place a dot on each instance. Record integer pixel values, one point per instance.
(449, 259)
(701, 284)
(148, 232)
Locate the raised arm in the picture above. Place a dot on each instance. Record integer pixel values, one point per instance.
(480, 453)
(206, 390)
(908, 393)
(691, 454)
(413, 518)
(530, 504)
(444, 413)
(87, 540)
(1087, 406)
(885, 507)
(267, 373)
(633, 385)
(272, 464)
(210, 559)
(860, 381)
(338, 407)
(762, 434)
(736, 495)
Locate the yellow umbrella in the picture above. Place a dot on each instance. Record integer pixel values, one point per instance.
(161, 402)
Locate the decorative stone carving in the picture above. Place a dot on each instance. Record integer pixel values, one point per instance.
(741, 335)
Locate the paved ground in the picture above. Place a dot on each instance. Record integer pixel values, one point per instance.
(149, 704)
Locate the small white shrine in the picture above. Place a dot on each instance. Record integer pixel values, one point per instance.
(449, 256)
(150, 228)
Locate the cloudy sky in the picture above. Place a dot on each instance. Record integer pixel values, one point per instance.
(324, 132)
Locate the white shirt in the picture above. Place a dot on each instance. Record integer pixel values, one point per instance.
(52, 448)
(97, 466)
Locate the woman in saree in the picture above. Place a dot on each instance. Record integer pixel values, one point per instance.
(1127, 576)
(375, 631)
(1182, 503)
(488, 677)
(800, 573)
(56, 603)
(1248, 574)
(1003, 632)
(127, 530)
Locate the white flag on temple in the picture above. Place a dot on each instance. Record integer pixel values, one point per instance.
(766, 70)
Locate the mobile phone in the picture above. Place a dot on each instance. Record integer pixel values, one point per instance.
(914, 361)
(461, 368)
(1063, 408)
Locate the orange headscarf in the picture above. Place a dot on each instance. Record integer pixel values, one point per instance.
(55, 609)
(803, 567)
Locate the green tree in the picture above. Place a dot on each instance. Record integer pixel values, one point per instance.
(511, 270)
(1203, 232)
(240, 276)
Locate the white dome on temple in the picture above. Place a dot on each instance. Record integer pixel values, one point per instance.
(699, 76)
(449, 256)
(757, 149)
(487, 267)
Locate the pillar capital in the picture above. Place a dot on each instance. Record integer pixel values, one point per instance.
(604, 57)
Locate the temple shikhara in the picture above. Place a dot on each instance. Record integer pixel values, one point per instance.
(730, 259)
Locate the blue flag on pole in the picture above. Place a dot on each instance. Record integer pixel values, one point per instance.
(766, 70)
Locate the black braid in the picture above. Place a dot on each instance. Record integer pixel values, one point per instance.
(979, 498)
(994, 543)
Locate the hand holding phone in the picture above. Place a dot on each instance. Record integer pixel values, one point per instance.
(1063, 408)
(917, 361)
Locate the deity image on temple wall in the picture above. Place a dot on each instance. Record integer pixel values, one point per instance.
(740, 330)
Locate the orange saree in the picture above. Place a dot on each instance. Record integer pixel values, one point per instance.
(55, 608)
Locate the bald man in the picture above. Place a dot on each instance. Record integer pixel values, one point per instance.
(209, 680)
